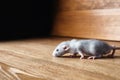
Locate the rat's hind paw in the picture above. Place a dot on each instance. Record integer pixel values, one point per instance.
(110, 56)
(82, 57)
(91, 57)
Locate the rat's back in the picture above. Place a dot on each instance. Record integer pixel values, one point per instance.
(94, 47)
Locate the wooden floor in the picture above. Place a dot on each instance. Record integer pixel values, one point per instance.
(32, 59)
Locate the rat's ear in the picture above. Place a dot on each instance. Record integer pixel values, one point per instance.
(65, 47)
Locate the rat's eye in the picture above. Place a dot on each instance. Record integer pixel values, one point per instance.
(57, 50)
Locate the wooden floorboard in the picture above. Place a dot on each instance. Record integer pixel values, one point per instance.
(31, 59)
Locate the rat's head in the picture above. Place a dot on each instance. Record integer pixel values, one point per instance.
(60, 50)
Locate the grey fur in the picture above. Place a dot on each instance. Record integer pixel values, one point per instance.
(89, 47)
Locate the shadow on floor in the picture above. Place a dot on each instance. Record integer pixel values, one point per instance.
(104, 57)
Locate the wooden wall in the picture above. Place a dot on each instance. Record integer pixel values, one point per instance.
(68, 5)
(98, 19)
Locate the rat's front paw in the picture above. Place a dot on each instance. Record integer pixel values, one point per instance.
(73, 55)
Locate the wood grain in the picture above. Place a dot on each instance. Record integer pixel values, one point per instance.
(72, 5)
(32, 60)
(99, 19)
(98, 24)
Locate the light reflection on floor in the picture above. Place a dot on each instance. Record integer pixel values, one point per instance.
(9, 73)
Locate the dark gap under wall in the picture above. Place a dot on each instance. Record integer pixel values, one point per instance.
(23, 19)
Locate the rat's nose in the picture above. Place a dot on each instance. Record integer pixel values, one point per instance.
(55, 55)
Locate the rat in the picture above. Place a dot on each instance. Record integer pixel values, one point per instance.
(91, 47)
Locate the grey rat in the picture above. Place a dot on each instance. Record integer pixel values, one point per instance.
(91, 47)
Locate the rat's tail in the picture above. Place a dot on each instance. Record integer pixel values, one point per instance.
(116, 48)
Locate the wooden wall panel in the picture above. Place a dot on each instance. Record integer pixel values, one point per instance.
(66, 5)
(89, 21)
